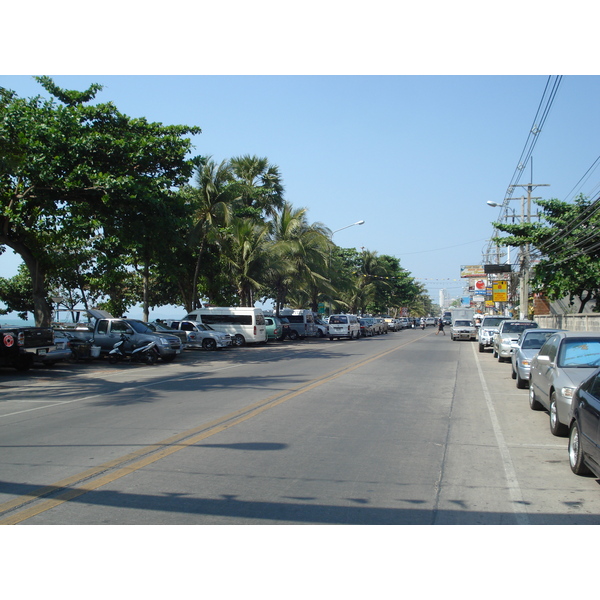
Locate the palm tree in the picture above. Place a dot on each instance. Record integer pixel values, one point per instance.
(298, 253)
(259, 184)
(246, 257)
(212, 197)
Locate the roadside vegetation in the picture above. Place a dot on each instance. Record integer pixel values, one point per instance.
(112, 211)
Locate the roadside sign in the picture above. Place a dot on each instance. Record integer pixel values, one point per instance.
(500, 291)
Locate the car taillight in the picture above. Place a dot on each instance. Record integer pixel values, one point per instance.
(255, 330)
(21, 338)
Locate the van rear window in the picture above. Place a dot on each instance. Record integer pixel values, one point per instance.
(338, 320)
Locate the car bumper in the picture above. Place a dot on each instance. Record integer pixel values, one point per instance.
(504, 352)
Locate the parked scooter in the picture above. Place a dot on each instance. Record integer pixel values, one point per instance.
(147, 353)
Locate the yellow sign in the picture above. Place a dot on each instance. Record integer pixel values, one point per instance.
(500, 291)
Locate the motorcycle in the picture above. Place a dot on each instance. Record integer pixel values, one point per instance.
(422, 324)
(147, 353)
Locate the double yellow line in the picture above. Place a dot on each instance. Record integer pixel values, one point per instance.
(29, 505)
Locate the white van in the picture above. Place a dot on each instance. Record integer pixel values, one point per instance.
(340, 326)
(245, 324)
(302, 321)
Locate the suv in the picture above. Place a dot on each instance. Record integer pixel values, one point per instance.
(509, 332)
(487, 330)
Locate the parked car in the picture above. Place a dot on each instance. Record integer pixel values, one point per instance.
(524, 349)
(321, 327)
(463, 329)
(391, 323)
(200, 335)
(429, 322)
(404, 323)
(276, 329)
(160, 326)
(376, 327)
(563, 362)
(487, 330)
(584, 430)
(508, 332)
(383, 323)
(366, 328)
(343, 326)
(62, 349)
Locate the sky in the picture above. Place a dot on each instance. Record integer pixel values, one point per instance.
(416, 154)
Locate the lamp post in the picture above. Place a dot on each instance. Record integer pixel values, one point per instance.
(361, 222)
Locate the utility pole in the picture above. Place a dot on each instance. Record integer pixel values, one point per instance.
(525, 251)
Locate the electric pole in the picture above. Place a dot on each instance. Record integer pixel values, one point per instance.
(525, 251)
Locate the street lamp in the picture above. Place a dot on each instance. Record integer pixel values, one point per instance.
(361, 222)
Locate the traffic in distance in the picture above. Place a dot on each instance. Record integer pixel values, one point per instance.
(561, 369)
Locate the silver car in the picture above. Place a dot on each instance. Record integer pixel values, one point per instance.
(463, 329)
(508, 332)
(524, 349)
(563, 362)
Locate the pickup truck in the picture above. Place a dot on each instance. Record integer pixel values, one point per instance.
(20, 347)
(107, 331)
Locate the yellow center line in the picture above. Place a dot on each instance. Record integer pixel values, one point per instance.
(120, 467)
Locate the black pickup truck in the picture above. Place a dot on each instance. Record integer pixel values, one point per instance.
(20, 347)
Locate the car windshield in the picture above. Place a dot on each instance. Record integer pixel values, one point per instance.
(579, 353)
(535, 341)
(140, 327)
(517, 327)
(493, 322)
(459, 323)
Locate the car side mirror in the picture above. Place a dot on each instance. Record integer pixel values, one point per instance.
(543, 358)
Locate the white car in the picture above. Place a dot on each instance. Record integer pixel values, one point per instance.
(508, 334)
(201, 336)
(463, 329)
(343, 326)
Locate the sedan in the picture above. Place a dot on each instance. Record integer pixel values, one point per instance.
(584, 431)
(524, 349)
(508, 333)
(366, 328)
(563, 362)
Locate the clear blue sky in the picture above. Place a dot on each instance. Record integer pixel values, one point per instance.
(416, 156)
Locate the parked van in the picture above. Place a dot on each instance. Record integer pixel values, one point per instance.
(340, 326)
(301, 321)
(245, 324)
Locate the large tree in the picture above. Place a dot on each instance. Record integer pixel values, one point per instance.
(566, 247)
(79, 171)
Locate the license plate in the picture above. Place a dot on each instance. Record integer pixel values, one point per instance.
(42, 350)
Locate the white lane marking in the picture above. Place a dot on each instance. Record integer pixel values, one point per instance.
(514, 488)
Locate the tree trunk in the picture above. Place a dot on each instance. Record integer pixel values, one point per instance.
(42, 309)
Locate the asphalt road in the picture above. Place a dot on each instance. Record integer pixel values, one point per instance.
(406, 428)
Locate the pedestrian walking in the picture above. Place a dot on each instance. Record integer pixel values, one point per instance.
(440, 327)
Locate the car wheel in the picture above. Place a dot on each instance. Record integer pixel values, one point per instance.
(481, 347)
(521, 383)
(320, 334)
(533, 403)
(514, 373)
(331, 338)
(576, 453)
(556, 427)
(238, 340)
(293, 335)
(209, 344)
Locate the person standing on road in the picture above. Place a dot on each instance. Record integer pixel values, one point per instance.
(440, 327)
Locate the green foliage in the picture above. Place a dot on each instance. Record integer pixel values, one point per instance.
(568, 243)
